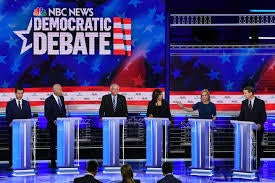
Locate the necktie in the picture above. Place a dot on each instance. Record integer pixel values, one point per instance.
(59, 102)
(19, 105)
(114, 103)
(250, 105)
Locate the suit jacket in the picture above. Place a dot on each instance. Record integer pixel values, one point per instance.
(106, 107)
(169, 179)
(13, 111)
(135, 180)
(86, 179)
(53, 111)
(257, 114)
(164, 111)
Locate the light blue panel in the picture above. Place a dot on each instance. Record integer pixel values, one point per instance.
(237, 147)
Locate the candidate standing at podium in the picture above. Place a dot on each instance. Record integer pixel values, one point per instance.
(253, 109)
(17, 108)
(113, 104)
(54, 108)
(207, 109)
(158, 107)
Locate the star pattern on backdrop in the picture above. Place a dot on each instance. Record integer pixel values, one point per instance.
(213, 75)
(3, 59)
(135, 3)
(69, 75)
(11, 42)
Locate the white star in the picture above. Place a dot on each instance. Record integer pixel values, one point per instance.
(148, 28)
(24, 47)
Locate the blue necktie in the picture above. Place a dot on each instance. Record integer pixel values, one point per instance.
(59, 102)
(114, 104)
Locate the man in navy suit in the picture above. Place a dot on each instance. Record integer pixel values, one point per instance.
(16, 109)
(113, 104)
(54, 108)
(92, 169)
(167, 172)
(253, 109)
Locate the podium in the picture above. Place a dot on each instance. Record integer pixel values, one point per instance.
(111, 144)
(154, 143)
(201, 147)
(67, 132)
(245, 149)
(22, 139)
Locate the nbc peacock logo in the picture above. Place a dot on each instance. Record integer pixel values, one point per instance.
(39, 12)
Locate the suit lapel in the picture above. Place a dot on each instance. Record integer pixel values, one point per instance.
(255, 103)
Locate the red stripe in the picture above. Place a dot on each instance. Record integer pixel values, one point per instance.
(120, 41)
(127, 20)
(224, 107)
(220, 107)
(128, 42)
(81, 88)
(127, 31)
(214, 93)
(117, 30)
(129, 53)
(119, 52)
(117, 19)
(41, 103)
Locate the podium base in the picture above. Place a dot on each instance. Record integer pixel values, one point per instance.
(111, 169)
(152, 170)
(25, 172)
(244, 175)
(201, 172)
(63, 170)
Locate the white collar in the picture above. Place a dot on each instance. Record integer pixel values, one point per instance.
(18, 100)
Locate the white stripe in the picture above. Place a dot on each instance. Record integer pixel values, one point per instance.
(122, 47)
(124, 26)
(121, 36)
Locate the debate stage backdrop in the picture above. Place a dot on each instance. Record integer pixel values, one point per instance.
(87, 45)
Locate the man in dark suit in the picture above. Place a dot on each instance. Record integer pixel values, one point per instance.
(167, 172)
(92, 169)
(114, 104)
(16, 109)
(253, 109)
(54, 108)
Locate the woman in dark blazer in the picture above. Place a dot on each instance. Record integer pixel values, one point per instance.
(158, 107)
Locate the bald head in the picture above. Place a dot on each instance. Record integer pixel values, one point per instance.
(57, 89)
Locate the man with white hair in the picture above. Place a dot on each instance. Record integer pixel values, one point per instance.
(113, 104)
(54, 108)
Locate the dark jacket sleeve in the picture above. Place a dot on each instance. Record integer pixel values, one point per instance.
(241, 115)
(168, 110)
(150, 108)
(29, 110)
(263, 113)
(8, 112)
(102, 106)
(124, 107)
(48, 110)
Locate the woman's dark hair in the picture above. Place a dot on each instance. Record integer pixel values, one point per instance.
(127, 172)
(156, 93)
